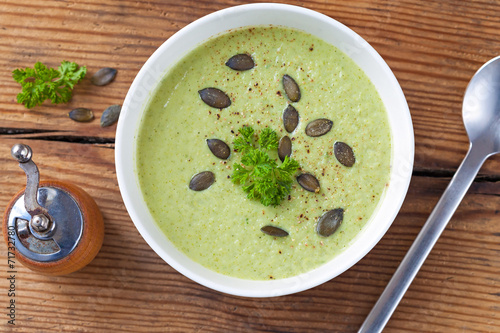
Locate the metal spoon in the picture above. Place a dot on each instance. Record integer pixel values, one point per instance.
(481, 113)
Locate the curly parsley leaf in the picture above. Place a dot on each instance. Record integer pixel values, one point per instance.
(268, 139)
(244, 142)
(247, 133)
(240, 174)
(260, 176)
(288, 168)
(41, 82)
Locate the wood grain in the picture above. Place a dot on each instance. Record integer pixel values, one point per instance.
(433, 48)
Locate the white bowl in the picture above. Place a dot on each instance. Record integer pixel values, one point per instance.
(316, 24)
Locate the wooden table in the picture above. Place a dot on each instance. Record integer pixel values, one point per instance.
(433, 48)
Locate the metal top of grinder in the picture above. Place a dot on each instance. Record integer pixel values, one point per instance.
(47, 220)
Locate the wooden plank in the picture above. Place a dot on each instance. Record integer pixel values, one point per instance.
(433, 48)
(129, 288)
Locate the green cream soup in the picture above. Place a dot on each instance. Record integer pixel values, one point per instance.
(219, 227)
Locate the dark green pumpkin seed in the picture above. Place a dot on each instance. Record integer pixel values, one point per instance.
(290, 118)
(215, 98)
(219, 148)
(308, 182)
(240, 62)
(202, 181)
(284, 148)
(274, 231)
(81, 114)
(319, 127)
(329, 222)
(103, 76)
(344, 154)
(291, 87)
(110, 115)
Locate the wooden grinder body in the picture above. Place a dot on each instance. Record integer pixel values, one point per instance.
(89, 244)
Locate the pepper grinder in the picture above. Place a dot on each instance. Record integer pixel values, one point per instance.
(56, 227)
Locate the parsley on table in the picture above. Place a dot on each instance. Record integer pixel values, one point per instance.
(260, 175)
(41, 82)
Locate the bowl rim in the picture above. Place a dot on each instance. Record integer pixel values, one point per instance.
(138, 94)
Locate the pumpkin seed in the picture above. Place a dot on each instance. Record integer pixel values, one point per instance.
(319, 127)
(110, 115)
(103, 76)
(290, 118)
(329, 222)
(274, 231)
(215, 98)
(202, 181)
(219, 148)
(344, 154)
(284, 148)
(240, 62)
(291, 87)
(81, 114)
(308, 182)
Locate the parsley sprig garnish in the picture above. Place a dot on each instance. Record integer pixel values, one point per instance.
(261, 176)
(41, 82)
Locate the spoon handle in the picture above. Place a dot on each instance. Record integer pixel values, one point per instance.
(432, 229)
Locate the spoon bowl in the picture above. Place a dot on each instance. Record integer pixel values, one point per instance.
(481, 107)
